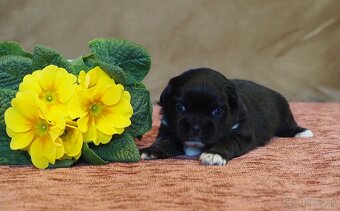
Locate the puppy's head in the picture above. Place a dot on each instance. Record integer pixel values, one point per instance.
(199, 106)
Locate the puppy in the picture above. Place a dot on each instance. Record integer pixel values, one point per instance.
(207, 115)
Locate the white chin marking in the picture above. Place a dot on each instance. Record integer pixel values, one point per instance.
(304, 134)
(212, 159)
(145, 156)
(192, 151)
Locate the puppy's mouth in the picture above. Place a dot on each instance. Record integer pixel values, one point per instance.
(195, 142)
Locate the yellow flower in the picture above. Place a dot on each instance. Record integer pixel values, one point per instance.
(73, 140)
(31, 129)
(103, 107)
(95, 76)
(54, 86)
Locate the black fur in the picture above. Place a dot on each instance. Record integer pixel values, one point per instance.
(259, 112)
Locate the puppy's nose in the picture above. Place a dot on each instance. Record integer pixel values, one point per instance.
(196, 129)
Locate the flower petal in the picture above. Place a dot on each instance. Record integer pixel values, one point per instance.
(91, 78)
(47, 77)
(82, 80)
(49, 148)
(58, 108)
(120, 121)
(73, 141)
(36, 150)
(22, 140)
(103, 138)
(30, 83)
(127, 96)
(91, 133)
(42, 108)
(56, 125)
(104, 125)
(83, 123)
(25, 104)
(93, 94)
(117, 115)
(75, 110)
(111, 94)
(60, 148)
(123, 107)
(71, 124)
(17, 122)
(77, 156)
(120, 130)
(101, 78)
(10, 132)
(66, 85)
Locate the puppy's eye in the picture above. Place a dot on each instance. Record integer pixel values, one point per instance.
(180, 107)
(217, 112)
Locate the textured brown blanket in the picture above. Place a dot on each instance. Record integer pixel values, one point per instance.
(287, 173)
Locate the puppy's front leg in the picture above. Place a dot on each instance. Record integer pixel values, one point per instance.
(165, 146)
(225, 150)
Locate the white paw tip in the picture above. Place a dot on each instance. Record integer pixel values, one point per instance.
(212, 159)
(305, 134)
(145, 156)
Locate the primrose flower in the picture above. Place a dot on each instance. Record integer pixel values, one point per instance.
(31, 129)
(102, 107)
(73, 140)
(54, 86)
(94, 77)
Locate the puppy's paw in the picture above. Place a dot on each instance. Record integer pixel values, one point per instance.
(150, 153)
(212, 159)
(147, 156)
(305, 134)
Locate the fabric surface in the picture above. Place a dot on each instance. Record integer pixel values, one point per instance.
(287, 173)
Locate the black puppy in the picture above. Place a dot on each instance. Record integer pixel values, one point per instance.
(206, 114)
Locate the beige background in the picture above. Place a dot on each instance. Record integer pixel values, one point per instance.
(292, 46)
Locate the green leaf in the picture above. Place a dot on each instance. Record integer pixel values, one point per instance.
(12, 157)
(89, 156)
(79, 65)
(6, 95)
(13, 69)
(13, 48)
(121, 148)
(90, 61)
(132, 58)
(63, 163)
(44, 56)
(141, 120)
(115, 72)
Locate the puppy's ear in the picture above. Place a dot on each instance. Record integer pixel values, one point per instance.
(236, 103)
(165, 95)
(233, 97)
